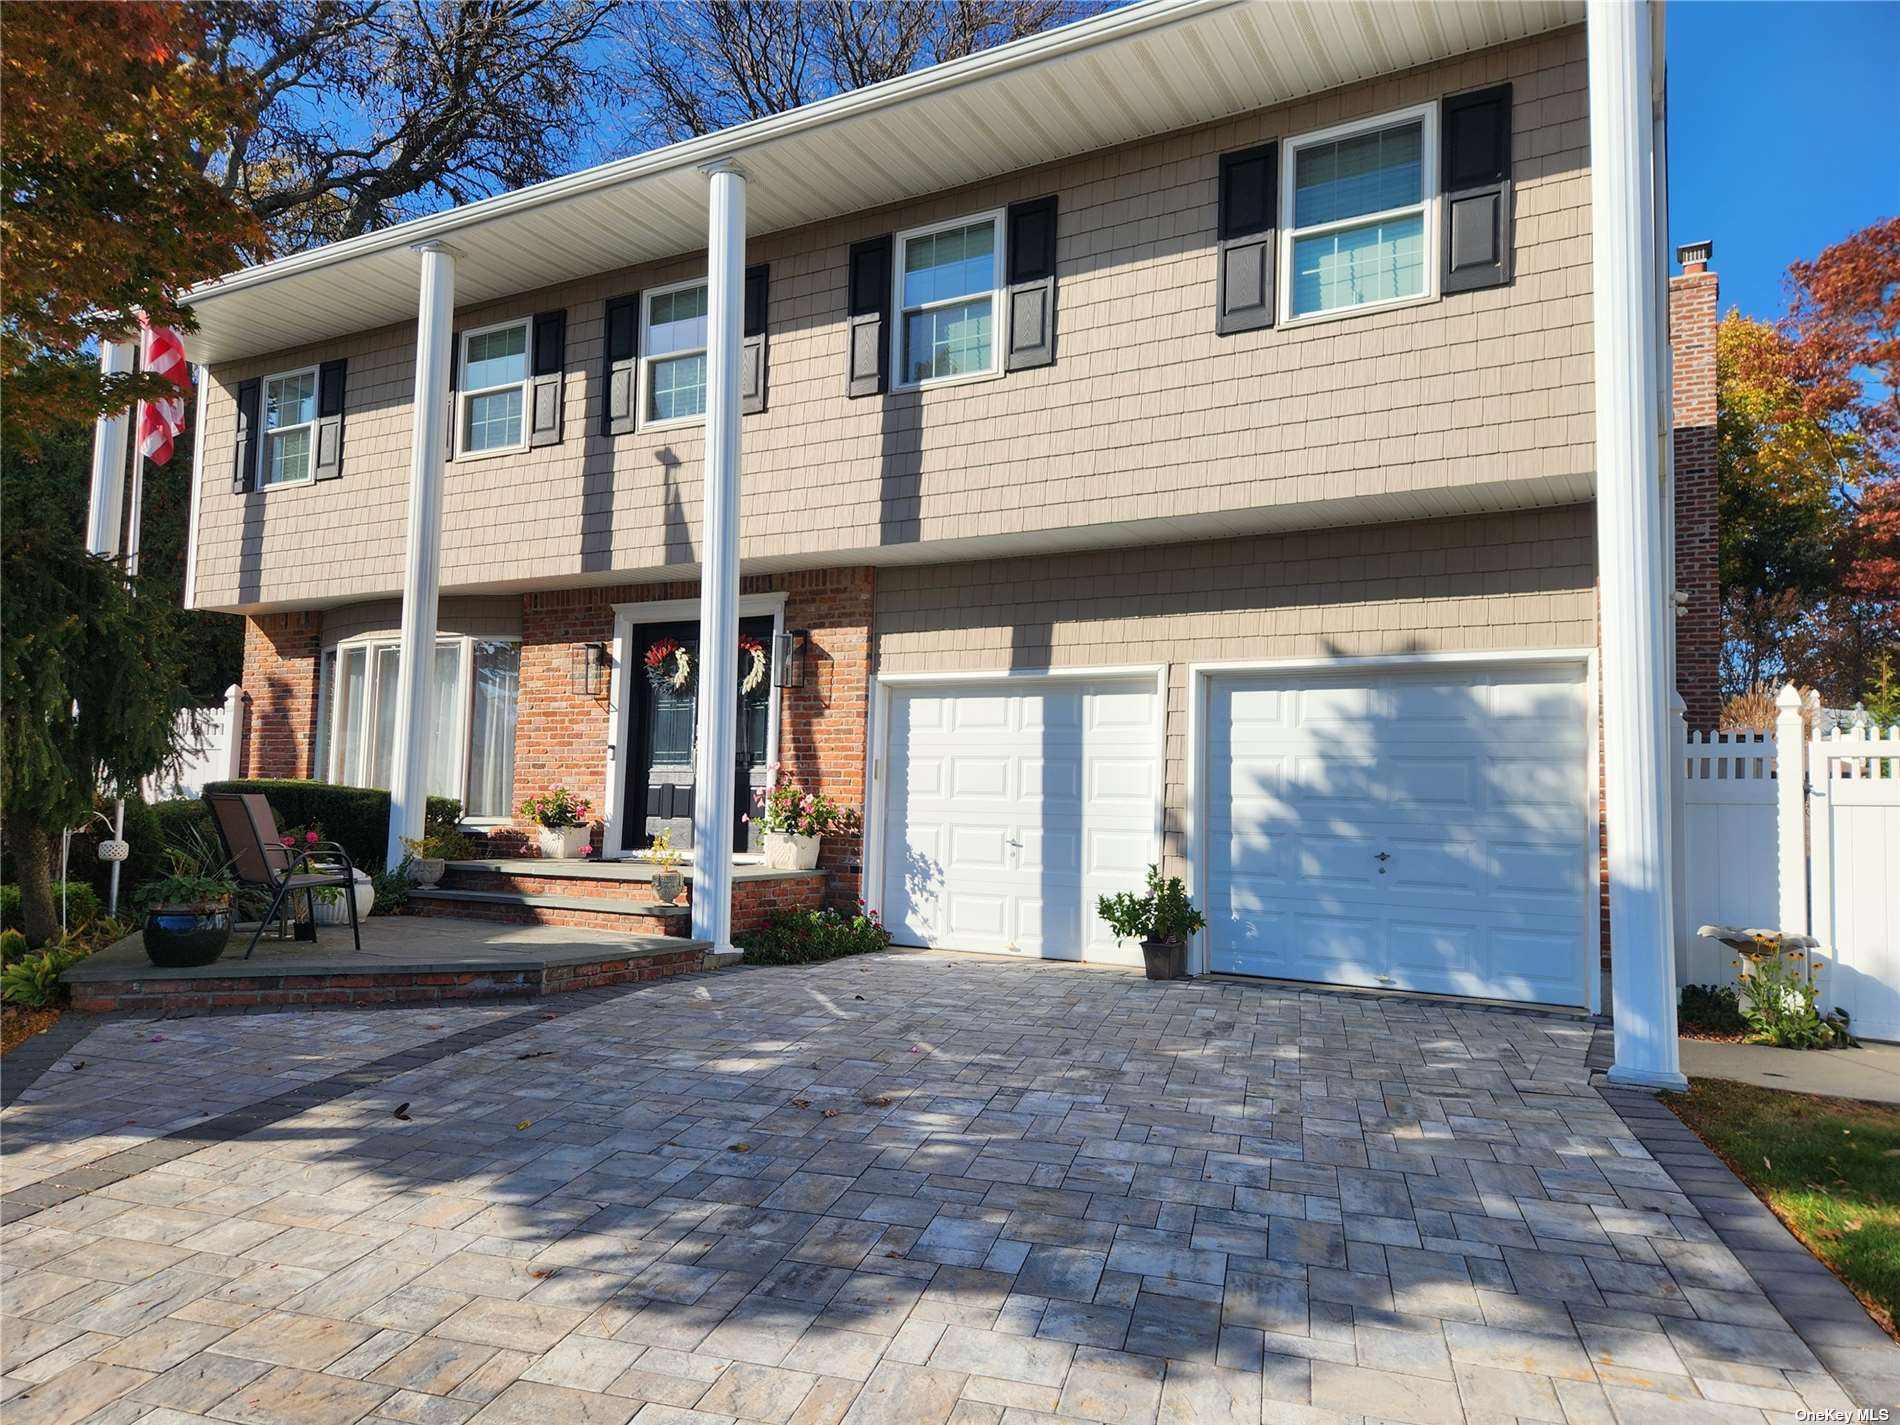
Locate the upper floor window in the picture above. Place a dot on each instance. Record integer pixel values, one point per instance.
(673, 354)
(493, 384)
(290, 408)
(1360, 197)
(947, 280)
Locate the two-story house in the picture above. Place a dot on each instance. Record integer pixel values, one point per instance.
(1228, 435)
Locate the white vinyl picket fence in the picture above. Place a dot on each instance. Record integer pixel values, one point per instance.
(1817, 853)
(214, 742)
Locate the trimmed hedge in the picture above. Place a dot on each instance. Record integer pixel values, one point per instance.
(356, 818)
(176, 819)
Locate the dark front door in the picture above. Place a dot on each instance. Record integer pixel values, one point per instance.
(664, 725)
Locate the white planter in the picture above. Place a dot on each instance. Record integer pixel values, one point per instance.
(425, 871)
(788, 851)
(562, 843)
(335, 912)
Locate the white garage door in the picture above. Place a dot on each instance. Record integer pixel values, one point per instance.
(1011, 807)
(1423, 831)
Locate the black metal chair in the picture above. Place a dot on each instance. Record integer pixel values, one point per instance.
(261, 861)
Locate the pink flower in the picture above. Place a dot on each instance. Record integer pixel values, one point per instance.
(587, 851)
(290, 841)
(310, 837)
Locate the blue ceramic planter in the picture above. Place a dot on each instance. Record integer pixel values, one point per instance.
(176, 940)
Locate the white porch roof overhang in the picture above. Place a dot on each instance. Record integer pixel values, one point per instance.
(1150, 68)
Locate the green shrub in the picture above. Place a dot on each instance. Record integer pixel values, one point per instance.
(33, 983)
(178, 819)
(803, 937)
(356, 818)
(392, 891)
(1709, 1009)
(13, 946)
(82, 903)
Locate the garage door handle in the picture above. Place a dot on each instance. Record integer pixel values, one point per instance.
(1383, 856)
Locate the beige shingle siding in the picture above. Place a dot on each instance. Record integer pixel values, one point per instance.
(1146, 413)
(481, 616)
(1524, 580)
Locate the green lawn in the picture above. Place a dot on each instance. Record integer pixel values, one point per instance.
(1828, 1167)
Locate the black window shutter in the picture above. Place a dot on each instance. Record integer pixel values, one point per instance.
(621, 355)
(455, 372)
(867, 313)
(752, 343)
(549, 333)
(1032, 284)
(244, 464)
(329, 430)
(1477, 182)
(1244, 238)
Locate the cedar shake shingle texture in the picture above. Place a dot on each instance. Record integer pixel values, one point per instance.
(1692, 322)
(1491, 583)
(1145, 414)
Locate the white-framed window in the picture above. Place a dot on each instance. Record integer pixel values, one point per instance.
(473, 711)
(948, 280)
(673, 354)
(290, 413)
(492, 389)
(1358, 204)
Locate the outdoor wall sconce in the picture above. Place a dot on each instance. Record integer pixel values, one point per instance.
(788, 658)
(587, 670)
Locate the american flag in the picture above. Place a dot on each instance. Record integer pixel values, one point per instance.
(163, 354)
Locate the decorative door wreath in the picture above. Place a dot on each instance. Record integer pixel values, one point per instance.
(669, 665)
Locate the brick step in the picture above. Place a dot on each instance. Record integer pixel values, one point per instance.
(524, 908)
(487, 880)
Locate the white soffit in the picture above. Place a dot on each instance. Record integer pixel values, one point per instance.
(1147, 69)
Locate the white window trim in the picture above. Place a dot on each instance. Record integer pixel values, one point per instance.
(263, 454)
(996, 218)
(1427, 115)
(641, 420)
(331, 662)
(463, 392)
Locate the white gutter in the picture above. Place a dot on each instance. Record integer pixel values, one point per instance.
(692, 153)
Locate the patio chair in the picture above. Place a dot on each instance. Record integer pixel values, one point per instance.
(262, 862)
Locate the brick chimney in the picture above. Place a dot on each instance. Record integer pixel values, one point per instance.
(1692, 319)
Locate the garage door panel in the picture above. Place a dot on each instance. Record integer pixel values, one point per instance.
(1044, 798)
(1474, 785)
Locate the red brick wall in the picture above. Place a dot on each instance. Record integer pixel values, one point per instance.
(1692, 320)
(821, 725)
(280, 678)
(561, 737)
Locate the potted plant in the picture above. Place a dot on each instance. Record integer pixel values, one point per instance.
(563, 819)
(1162, 920)
(188, 913)
(667, 881)
(795, 821)
(429, 857)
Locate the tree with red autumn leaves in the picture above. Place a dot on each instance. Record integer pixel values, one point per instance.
(1808, 448)
(104, 210)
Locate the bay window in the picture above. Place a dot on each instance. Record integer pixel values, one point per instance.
(947, 281)
(673, 354)
(471, 719)
(1359, 200)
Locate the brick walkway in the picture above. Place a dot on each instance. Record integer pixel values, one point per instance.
(912, 1189)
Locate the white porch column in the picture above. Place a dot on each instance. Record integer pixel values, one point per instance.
(1791, 812)
(104, 512)
(422, 556)
(1631, 539)
(716, 758)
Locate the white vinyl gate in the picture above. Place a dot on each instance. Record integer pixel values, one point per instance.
(1817, 853)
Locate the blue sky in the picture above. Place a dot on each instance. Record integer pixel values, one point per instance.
(1782, 135)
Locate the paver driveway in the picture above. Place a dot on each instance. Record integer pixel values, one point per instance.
(916, 1188)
